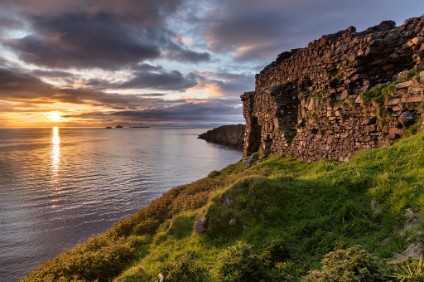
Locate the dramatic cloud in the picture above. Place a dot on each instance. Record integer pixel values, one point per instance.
(81, 40)
(104, 35)
(156, 61)
(23, 87)
(15, 86)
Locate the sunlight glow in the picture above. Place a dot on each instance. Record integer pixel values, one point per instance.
(55, 154)
(55, 116)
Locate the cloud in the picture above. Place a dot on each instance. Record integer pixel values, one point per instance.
(146, 76)
(225, 83)
(253, 30)
(163, 80)
(76, 52)
(97, 34)
(86, 41)
(16, 86)
(177, 53)
(52, 73)
(217, 110)
(146, 13)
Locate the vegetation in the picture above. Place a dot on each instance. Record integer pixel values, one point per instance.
(378, 94)
(277, 220)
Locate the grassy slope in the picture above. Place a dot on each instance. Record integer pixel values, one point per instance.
(309, 209)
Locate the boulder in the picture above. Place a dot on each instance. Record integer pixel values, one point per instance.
(407, 118)
(202, 225)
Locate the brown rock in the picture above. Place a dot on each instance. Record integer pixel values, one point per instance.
(406, 118)
(416, 91)
(344, 95)
(393, 102)
(415, 41)
(202, 225)
(358, 100)
(395, 133)
(405, 84)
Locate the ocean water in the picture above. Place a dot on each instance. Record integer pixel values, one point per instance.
(58, 186)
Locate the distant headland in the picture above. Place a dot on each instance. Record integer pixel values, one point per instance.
(120, 126)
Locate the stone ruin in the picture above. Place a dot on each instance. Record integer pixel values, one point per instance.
(344, 92)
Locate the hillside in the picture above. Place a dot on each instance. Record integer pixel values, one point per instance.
(273, 221)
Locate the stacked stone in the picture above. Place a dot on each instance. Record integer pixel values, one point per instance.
(307, 103)
(251, 142)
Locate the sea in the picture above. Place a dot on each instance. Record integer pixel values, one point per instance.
(59, 186)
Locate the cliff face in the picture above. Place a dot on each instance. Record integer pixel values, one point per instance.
(228, 135)
(344, 92)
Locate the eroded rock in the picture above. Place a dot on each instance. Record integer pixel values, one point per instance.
(317, 102)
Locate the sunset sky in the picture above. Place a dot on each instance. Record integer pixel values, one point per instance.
(167, 62)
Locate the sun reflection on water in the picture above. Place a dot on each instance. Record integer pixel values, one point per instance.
(55, 155)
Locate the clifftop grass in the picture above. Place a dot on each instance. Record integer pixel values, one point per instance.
(273, 221)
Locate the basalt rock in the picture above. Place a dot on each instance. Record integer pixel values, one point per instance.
(228, 135)
(344, 92)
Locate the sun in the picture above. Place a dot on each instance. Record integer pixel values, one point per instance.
(55, 116)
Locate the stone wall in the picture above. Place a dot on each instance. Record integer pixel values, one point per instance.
(344, 92)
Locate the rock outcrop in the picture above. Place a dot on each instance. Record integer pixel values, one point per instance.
(344, 92)
(228, 135)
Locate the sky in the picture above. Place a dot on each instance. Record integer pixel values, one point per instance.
(158, 63)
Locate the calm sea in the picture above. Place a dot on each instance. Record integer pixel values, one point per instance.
(58, 186)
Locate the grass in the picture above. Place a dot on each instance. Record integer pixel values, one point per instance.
(277, 220)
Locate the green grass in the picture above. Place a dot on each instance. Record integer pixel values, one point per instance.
(285, 215)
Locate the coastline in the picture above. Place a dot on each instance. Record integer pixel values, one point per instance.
(277, 202)
(113, 176)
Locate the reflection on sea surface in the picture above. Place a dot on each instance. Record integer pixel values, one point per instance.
(58, 186)
(55, 155)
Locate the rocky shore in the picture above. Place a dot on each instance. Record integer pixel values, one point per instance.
(228, 135)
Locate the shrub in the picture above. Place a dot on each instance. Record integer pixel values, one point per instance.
(84, 264)
(184, 268)
(147, 226)
(288, 271)
(240, 263)
(353, 264)
(409, 269)
(276, 251)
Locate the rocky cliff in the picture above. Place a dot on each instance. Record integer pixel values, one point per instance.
(228, 135)
(343, 92)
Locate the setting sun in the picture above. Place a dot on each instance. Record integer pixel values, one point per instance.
(55, 116)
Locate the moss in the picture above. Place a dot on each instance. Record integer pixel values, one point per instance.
(378, 94)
